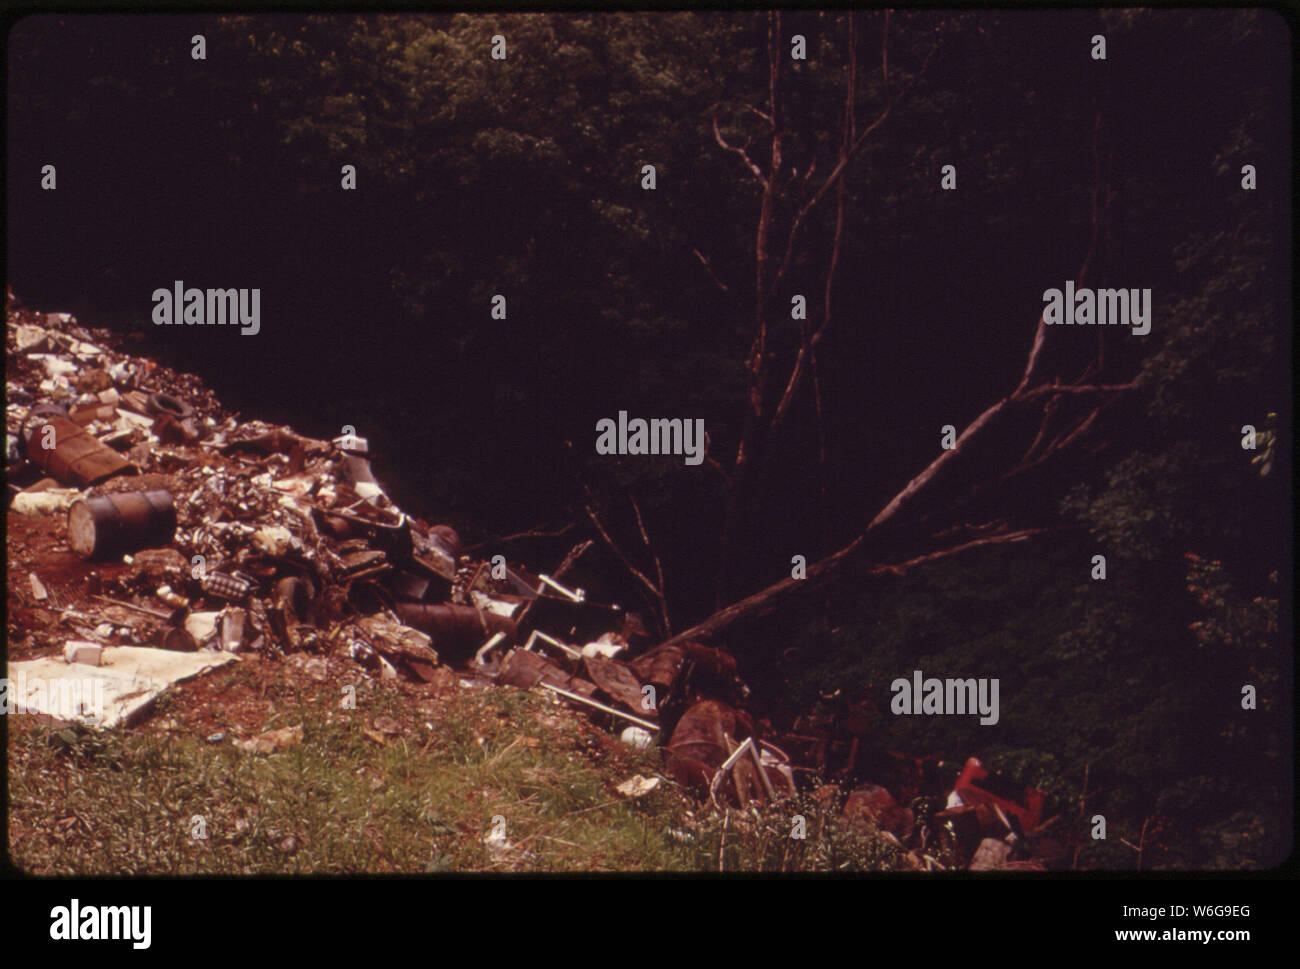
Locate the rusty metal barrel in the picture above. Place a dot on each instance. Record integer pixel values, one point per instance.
(66, 451)
(115, 524)
(456, 631)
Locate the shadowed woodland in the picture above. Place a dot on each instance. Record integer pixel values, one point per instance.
(775, 178)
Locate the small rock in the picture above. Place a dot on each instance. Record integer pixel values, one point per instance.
(872, 803)
(991, 854)
(272, 740)
(387, 725)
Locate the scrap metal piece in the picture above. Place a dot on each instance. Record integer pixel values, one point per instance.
(990, 855)
(351, 444)
(75, 651)
(578, 596)
(990, 795)
(565, 648)
(525, 670)
(872, 804)
(412, 588)
(178, 638)
(296, 594)
(365, 563)
(436, 550)
(233, 620)
(588, 701)
(232, 586)
(159, 403)
(496, 640)
(356, 470)
(700, 742)
(398, 643)
(617, 680)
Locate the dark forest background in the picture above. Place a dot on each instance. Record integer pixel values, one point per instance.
(523, 177)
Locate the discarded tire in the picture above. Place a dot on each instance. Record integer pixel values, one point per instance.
(168, 404)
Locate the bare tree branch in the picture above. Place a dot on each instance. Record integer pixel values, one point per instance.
(749, 162)
(571, 559)
(709, 269)
(766, 599)
(659, 569)
(812, 337)
(534, 533)
(838, 171)
(655, 590)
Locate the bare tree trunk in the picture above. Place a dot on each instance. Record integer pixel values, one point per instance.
(762, 420)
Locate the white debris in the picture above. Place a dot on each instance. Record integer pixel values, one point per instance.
(637, 737)
(273, 540)
(48, 502)
(55, 366)
(31, 338)
(120, 690)
(201, 625)
(608, 650)
(638, 786)
(75, 651)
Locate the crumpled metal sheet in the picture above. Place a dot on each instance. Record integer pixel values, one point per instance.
(526, 669)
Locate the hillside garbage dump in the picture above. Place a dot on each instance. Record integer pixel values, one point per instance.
(154, 536)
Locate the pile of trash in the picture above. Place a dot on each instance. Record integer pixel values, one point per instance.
(162, 528)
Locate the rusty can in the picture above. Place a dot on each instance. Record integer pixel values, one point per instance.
(113, 525)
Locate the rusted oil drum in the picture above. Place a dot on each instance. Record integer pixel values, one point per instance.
(76, 456)
(457, 631)
(113, 525)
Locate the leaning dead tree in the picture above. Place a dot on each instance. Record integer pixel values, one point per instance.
(904, 533)
(1059, 428)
